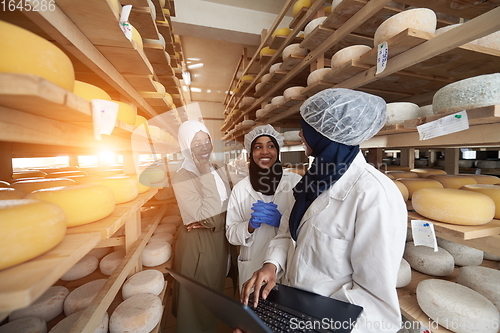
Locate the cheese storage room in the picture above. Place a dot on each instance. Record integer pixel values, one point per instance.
(264, 166)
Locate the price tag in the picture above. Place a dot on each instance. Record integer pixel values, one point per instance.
(382, 56)
(124, 24)
(423, 234)
(104, 115)
(450, 124)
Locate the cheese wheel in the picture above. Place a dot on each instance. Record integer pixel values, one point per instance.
(401, 174)
(89, 91)
(456, 307)
(82, 296)
(317, 75)
(282, 32)
(151, 175)
(267, 51)
(34, 55)
(166, 227)
(483, 179)
(140, 120)
(141, 187)
(85, 266)
(28, 228)
(139, 314)
(422, 19)
(247, 101)
(491, 41)
(260, 113)
(489, 256)
(67, 323)
(312, 25)
(62, 174)
(136, 37)
(415, 184)
(404, 274)
(398, 112)
(28, 186)
(454, 206)
(278, 100)
(124, 188)
(258, 86)
(425, 260)
(28, 173)
(8, 193)
(293, 92)
(175, 220)
(493, 191)
(126, 113)
(463, 255)
(424, 173)
(81, 204)
(148, 281)
(162, 237)
(452, 181)
(265, 78)
(25, 325)
(483, 280)
(156, 253)
(298, 5)
(247, 78)
(347, 54)
(425, 111)
(99, 253)
(275, 67)
(247, 123)
(293, 49)
(109, 263)
(402, 188)
(47, 307)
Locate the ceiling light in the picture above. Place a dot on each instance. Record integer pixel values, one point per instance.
(209, 91)
(194, 59)
(195, 89)
(185, 88)
(186, 77)
(195, 66)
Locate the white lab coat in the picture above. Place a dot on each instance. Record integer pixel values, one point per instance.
(349, 247)
(253, 246)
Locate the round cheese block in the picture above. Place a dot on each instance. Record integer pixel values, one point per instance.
(89, 91)
(293, 49)
(267, 51)
(67, 323)
(166, 227)
(258, 86)
(470, 93)
(415, 184)
(265, 78)
(81, 204)
(35, 56)
(278, 100)
(404, 274)
(139, 314)
(108, 264)
(126, 113)
(99, 253)
(454, 206)
(493, 191)
(174, 219)
(398, 112)
(260, 113)
(282, 32)
(425, 111)
(456, 307)
(247, 101)
(148, 281)
(401, 174)
(25, 325)
(452, 181)
(298, 5)
(247, 78)
(312, 25)
(346, 54)
(247, 123)
(489, 256)
(425, 260)
(488, 164)
(28, 174)
(140, 120)
(317, 75)
(491, 41)
(275, 67)
(82, 296)
(156, 253)
(162, 237)
(293, 92)
(9, 193)
(424, 173)
(268, 107)
(124, 188)
(402, 188)
(86, 266)
(463, 255)
(292, 136)
(422, 19)
(136, 37)
(47, 307)
(151, 175)
(484, 280)
(483, 179)
(28, 228)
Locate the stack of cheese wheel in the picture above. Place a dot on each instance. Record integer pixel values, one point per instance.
(8, 193)
(293, 50)
(47, 307)
(28, 228)
(402, 188)
(401, 174)
(421, 19)
(415, 184)
(35, 56)
(298, 5)
(81, 204)
(148, 281)
(317, 75)
(81, 297)
(89, 91)
(346, 54)
(424, 173)
(452, 181)
(492, 191)
(454, 206)
(146, 306)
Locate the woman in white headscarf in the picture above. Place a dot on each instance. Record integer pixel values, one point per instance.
(201, 252)
(258, 202)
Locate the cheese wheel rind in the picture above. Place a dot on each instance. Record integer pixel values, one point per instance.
(454, 206)
(85, 266)
(67, 323)
(25, 325)
(82, 296)
(148, 281)
(452, 181)
(424, 173)
(108, 263)
(28, 186)
(47, 307)
(484, 280)
(403, 189)
(493, 191)
(462, 254)
(425, 260)
(139, 314)
(156, 253)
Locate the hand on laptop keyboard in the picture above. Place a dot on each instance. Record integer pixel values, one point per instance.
(264, 276)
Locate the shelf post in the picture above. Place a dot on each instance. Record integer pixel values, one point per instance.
(451, 160)
(408, 158)
(6, 160)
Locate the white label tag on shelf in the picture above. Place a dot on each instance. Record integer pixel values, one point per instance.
(382, 56)
(423, 234)
(450, 124)
(124, 24)
(104, 115)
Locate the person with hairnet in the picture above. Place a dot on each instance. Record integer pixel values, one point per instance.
(201, 252)
(258, 202)
(348, 222)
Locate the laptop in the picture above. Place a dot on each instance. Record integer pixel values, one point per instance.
(286, 309)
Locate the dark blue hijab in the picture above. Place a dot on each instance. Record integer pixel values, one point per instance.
(332, 159)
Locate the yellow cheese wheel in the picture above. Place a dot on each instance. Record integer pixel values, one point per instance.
(116, 6)
(126, 113)
(9, 193)
(415, 184)
(30, 185)
(483, 179)
(390, 176)
(454, 206)
(282, 32)
(451, 181)
(28, 174)
(81, 204)
(62, 174)
(142, 188)
(402, 174)
(328, 10)
(27, 53)
(89, 91)
(28, 228)
(140, 120)
(427, 172)
(124, 188)
(136, 37)
(151, 175)
(267, 50)
(403, 189)
(493, 191)
(298, 5)
(159, 87)
(247, 78)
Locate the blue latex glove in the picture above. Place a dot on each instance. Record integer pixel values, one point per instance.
(268, 214)
(255, 221)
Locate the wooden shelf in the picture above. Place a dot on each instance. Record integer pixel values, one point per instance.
(142, 19)
(24, 283)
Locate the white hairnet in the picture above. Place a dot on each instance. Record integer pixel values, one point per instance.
(259, 131)
(345, 116)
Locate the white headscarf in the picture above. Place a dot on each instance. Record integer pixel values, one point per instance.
(187, 131)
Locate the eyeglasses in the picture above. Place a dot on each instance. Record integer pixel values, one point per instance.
(200, 144)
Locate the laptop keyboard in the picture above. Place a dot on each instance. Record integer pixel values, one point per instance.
(280, 320)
